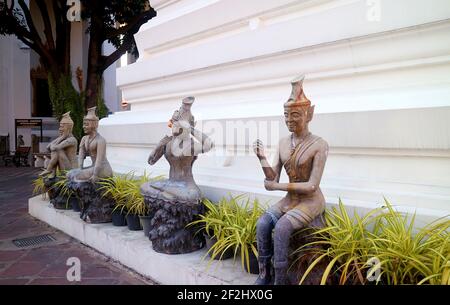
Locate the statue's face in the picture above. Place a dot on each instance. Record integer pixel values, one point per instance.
(89, 126)
(64, 129)
(296, 119)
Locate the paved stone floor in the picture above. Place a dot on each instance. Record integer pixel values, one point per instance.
(46, 264)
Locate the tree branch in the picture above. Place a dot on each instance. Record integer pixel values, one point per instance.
(133, 25)
(47, 25)
(110, 59)
(33, 34)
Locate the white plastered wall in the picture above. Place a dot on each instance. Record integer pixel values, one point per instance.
(380, 86)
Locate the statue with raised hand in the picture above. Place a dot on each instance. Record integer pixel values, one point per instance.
(303, 156)
(177, 201)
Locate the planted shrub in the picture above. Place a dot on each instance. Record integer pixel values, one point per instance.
(233, 223)
(383, 236)
(39, 187)
(125, 191)
(62, 185)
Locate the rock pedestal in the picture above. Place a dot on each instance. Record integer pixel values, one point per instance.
(168, 232)
(94, 207)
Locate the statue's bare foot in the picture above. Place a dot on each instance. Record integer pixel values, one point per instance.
(45, 172)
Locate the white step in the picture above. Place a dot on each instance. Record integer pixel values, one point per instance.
(134, 250)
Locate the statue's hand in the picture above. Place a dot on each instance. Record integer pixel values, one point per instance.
(258, 148)
(270, 185)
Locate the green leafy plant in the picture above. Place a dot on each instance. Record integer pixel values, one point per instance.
(409, 257)
(64, 97)
(403, 256)
(39, 187)
(125, 191)
(233, 224)
(62, 185)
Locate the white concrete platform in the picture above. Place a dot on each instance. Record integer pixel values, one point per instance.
(134, 250)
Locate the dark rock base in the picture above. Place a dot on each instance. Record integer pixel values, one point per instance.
(94, 207)
(168, 232)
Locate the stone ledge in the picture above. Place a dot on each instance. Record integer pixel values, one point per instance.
(133, 249)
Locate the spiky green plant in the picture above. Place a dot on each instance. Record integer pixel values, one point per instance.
(62, 185)
(233, 223)
(39, 187)
(404, 256)
(125, 191)
(409, 257)
(344, 242)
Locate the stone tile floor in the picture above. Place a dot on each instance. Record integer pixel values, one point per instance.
(46, 264)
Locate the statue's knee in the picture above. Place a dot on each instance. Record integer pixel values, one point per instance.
(264, 224)
(283, 228)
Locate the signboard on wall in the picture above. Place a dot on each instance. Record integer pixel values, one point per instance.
(27, 123)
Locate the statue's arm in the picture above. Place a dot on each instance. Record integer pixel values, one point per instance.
(205, 143)
(313, 183)
(158, 152)
(101, 154)
(81, 153)
(52, 144)
(71, 141)
(271, 173)
(277, 167)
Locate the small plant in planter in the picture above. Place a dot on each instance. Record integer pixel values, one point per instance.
(233, 224)
(129, 203)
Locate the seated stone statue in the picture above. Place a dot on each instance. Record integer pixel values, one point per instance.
(95, 208)
(93, 145)
(63, 150)
(177, 200)
(303, 156)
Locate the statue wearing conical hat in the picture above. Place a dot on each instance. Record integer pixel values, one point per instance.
(303, 156)
(83, 181)
(93, 145)
(63, 149)
(177, 200)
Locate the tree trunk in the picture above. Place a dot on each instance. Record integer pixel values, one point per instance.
(94, 72)
(93, 88)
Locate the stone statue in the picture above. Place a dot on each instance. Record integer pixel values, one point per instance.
(177, 201)
(95, 208)
(303, 156)
(20, 140)
(63, 150)
(93, 145)
(63, 157)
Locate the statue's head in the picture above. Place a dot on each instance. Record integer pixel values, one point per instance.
(65, 125)
(298, 111)
(90, 121)
(182, 120)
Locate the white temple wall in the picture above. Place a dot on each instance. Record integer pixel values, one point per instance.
(378, 74)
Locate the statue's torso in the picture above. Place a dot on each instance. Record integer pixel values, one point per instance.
(91, 146)
(180, 165)
(298, 167)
